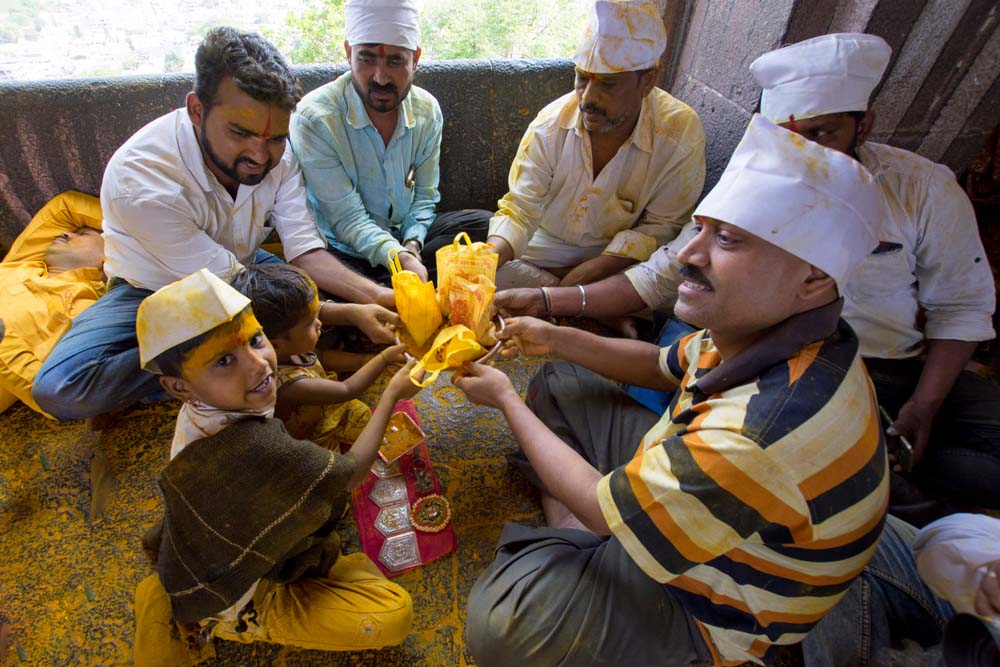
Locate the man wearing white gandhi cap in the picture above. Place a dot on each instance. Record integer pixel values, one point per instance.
(606, 173)
(924, 299)
(722, 530)
(919, 303)
(370, 145)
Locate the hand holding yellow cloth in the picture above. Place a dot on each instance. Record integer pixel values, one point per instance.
(452, 347)
(416, 302)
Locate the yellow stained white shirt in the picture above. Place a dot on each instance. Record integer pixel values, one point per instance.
(166, 215)
(639, 201)
(930, 257)
(953, 555)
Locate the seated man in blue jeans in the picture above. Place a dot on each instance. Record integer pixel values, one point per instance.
(200, 187)
(725, 529)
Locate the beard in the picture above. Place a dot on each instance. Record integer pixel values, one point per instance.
(381, 105)
(610, 125)
(232, 170)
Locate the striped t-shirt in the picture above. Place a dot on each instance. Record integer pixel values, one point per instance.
(758, 503)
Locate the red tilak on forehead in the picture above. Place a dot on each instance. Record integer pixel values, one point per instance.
(791, 123)
(266, 134)
(381, 49)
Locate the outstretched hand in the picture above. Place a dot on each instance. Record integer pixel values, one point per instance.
(400, 386)
(484, 385)
(377, 322)
(526, 335)
(520, 301)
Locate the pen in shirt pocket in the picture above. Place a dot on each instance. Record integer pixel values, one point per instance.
(409, 176)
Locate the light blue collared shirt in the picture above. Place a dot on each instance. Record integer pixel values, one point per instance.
(357, 186)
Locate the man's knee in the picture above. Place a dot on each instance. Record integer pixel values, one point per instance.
(54, 395)
(547, 383)
(488, 633)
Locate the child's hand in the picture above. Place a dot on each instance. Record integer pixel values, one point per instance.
(400, 386)
(394, 354)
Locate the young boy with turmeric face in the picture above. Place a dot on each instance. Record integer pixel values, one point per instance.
(248, 549)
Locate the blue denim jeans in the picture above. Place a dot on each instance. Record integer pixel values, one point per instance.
(657, 401)
(95, 368)
(885, 605)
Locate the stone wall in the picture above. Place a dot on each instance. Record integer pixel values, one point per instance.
(940, 97)
(59, 135)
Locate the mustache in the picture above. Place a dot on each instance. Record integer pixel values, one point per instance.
(592, 109)
(379, 88)
(694, 274)
(246, 160)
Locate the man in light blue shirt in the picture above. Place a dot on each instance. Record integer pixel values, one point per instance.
(369, 144)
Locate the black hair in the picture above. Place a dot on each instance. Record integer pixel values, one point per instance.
(170, 361)
(256, 66)
(281, 295)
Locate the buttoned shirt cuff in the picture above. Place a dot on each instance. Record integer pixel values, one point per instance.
(958, 325)
(646, 284)
(510, 232)
(633, 244)
(380, 256)
(413, 229)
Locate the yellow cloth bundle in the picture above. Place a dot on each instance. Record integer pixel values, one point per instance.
(416, 302)
(465, 261)
(453, 346)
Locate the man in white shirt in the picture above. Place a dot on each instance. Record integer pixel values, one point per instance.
(920, 303)
(606, 173)
(200, 187)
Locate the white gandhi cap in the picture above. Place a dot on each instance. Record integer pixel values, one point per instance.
(621, 36)
(183, 310)
(816, 203)
(823, 75)
(391, 22)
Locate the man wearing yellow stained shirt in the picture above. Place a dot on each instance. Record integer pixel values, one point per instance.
(51, 274)
(604, 174)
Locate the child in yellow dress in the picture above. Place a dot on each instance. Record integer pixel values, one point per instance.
(248, 549)
(313, 402)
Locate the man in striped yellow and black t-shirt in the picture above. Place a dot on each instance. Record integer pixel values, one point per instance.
(728, 527)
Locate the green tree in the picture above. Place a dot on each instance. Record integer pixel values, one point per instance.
(314, 35)
(449, 29)
(172, 62)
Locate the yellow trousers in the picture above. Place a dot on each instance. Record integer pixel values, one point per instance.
(354, 608)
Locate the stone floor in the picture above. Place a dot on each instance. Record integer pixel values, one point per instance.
(70, 559)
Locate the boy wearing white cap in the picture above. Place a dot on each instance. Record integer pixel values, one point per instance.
(724, 529)
(370, 145)
(250, 552)
(606, 173)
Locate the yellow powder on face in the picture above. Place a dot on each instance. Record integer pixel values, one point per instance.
(227, 337)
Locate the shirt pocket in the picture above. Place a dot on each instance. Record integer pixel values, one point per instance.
(619, 214)
(882, 274)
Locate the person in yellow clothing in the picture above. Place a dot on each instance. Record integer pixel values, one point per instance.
(52, 273)
(606, 173)
(248, 549)
(314, 404)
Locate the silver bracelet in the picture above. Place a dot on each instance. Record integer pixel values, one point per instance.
(583, 302)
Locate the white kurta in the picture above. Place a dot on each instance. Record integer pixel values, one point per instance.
(166, 215)
(557, 214)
